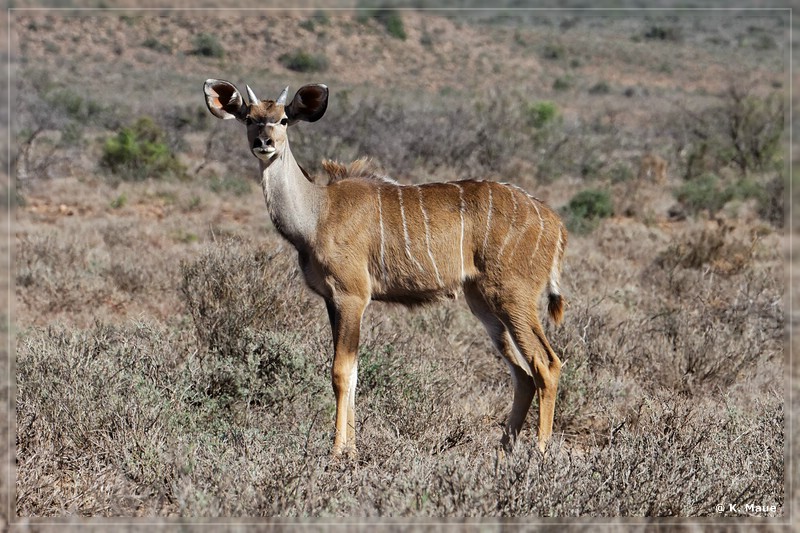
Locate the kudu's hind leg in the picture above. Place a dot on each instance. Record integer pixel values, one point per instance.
(528, 336)
(523, 382)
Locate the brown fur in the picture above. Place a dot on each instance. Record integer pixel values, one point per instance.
(381, 251)
(364, 237)
(360, 168)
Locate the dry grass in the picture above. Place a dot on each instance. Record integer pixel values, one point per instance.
(227, 409)
(169, 361)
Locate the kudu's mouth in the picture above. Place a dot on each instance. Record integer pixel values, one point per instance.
(263, 150)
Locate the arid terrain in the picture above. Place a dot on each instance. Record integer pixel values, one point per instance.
(170, 362)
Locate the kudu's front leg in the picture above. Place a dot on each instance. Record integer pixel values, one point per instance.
(345, 315)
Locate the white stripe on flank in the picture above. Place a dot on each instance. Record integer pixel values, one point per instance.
(527, 224)
(405, 229)
(428, 236)
(541, 230)
(383, 238)
(510, 226)
(461, 212)
(554, 282)
(535, 201)
(488, 221)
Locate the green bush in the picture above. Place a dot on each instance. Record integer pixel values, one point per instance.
(139, 151)
(600, 87)
(553, 52)
(392, 21)
(207, 45)
(386, 16)
(76, 106)
(744, 132)
(754, 126)
(158, 46)
(585, 210)
(709, 193)
(562, 83)
(620, 173)
(308, 24)
(539, 114)
(701, 193)
(663, 33)
(301, 61)
(745, 189)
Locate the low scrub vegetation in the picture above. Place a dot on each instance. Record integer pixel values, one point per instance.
(301, 61)
(191, 418)
(586, 209)
(388, 17)
(709, 193)
(743, 131)
(663, 33)
(208, 45)
(170, 361)
(140, 151)
(541, 114)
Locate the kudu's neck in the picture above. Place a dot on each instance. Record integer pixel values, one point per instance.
(293, 202)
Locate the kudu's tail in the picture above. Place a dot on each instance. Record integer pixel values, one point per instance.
(555, 302)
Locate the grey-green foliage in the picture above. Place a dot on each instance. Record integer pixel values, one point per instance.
(141, 151)
(302, 61)
(393, 22)
(710, 193)
(744, 131)
(229, 297)
(207, 45)
(388, 17)
(540, 114)
(585, 210)
(156, 45)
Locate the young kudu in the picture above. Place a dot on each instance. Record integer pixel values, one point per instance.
(363, 237)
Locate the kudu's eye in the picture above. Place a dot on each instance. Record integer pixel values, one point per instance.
(248, 121)
(284, 121)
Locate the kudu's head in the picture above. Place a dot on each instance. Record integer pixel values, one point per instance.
(266, 120)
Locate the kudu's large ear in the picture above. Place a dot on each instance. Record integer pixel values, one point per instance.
(224, 100)
(309, 103)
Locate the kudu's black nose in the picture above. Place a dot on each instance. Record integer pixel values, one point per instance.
(261, 143)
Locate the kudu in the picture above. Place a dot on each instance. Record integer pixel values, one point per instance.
(364, 237)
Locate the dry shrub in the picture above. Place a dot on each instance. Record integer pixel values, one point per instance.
(773, 206)
(73, 273)
(58, 273)
(388, 130)
(249, 313)
(128, 420)
(658, 414)
(91, 407)
(742, 130)
(234, 288)
(713, 245)
(670, 461)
